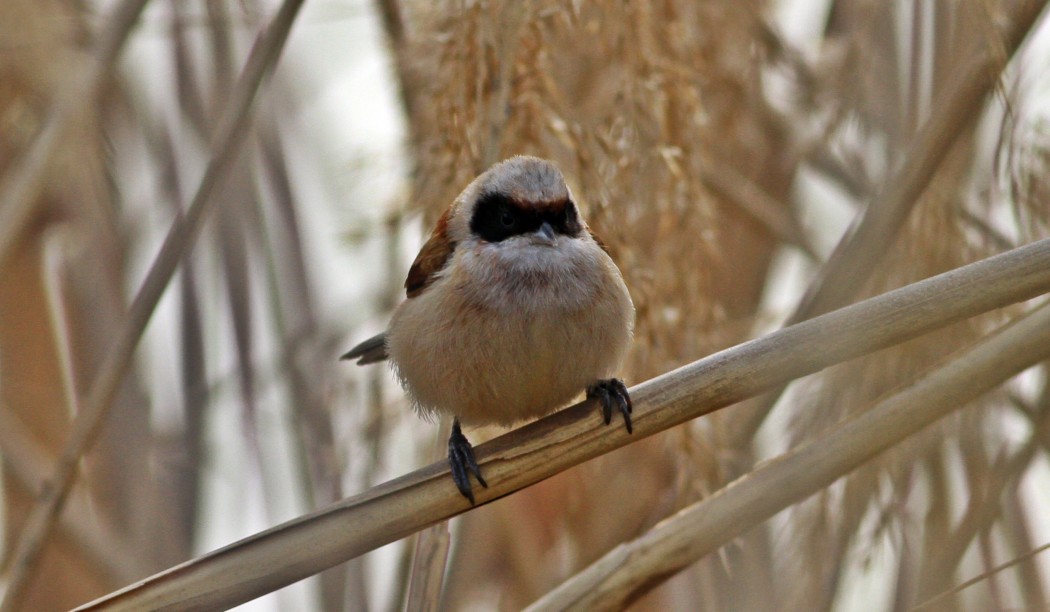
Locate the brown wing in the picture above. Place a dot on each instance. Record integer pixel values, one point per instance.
(431, 258)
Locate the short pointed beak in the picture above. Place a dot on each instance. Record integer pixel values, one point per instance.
(545, 235)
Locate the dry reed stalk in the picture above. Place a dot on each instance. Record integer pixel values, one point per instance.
(429, 560)
(180, 495)
(29, 464)
(23, 182)
(1016, 522)
(756, 203)
(983, 576)
(846, 389)
(635, 567)
(302, 547)
(983, 510)
(230, 133)
(430, 557)
(914, 482)
(299, 328)
(47, 51)
(873, 232)
(296, 323)
(428, 568)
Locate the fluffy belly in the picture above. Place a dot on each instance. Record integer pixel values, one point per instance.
(487, 368)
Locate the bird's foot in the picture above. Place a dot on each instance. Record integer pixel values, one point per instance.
(612, 393)
(461, 459)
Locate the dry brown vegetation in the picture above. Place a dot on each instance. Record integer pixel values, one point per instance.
(912, 454)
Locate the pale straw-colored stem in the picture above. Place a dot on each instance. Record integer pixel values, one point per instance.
(299, 548)
(633, 568)
(22, 184)
(230, 133)
(876, 228)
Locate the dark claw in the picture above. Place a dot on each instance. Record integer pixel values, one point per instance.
(612, 393)
(601, 393)
(461, 459)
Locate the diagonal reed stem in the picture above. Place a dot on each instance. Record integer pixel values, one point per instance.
(933, 601)
(304, 546)
(22, 184)
(875, 230)
(633, 568)
(226, 143)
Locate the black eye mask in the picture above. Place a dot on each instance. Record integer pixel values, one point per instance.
(498, 217)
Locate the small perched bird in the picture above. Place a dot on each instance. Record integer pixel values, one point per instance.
(514, 307)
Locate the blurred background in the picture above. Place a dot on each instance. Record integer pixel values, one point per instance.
(721, 150)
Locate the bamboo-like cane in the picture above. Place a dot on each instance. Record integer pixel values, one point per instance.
(21, 185)
(634, 568)
(299, 548)
(229, 134)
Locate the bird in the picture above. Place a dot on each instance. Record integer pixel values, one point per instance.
(513, 309)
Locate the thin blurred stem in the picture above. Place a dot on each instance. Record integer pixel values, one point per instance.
(235, 222)
(375, 426)
(60, 324)
(983, 576)
(772, 215)
(432, 545)
(21, 186)
(185, 488)
(428, 568)
(831, 167)
(237, 225)
(635, 567)
(375, 420)
(988, 233)
(988, 559)
(297, 549)
(936, 525)
(513, 18)
(191, 101)
(944, 555)
(305, 365)
(875, 230)
(393, 21)
(408, 85)
(1015, 524)
(838, 544)
(229, 135)
(30, 465)
(403, 573)
(904, 580)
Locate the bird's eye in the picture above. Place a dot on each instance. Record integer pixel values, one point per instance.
(506, 218)
(570, 221)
